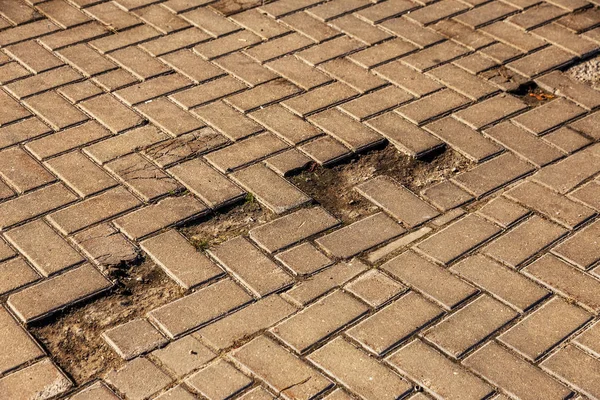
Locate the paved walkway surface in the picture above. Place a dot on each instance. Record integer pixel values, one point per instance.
(122, 120)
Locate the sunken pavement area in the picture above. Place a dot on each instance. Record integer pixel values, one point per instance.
(299, 199)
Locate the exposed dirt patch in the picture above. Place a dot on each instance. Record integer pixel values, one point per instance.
(533, 95)
(587, 72)
(333, 187)
(73, 338)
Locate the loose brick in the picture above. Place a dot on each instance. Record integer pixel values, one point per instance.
(394, 323)
(399, 243)
(183, 356)
(152, 218)
(490, 111)
(405, 136)
(56, 293)
(283, 372)
(458, 238)
(558, 208)
(545, 60)
(38, 380)
(397, 201)
(19, 346)
(180, 260)
(124, 144)
(198, 308)
(359, 236)
(192, 66)
(319, 321)
(292, 228)
(575, 367)
(169, 117)
(470, 325)
(524, 241)
(105, 246)
(227, 44)
(464, 139)
(501, 282)
(138, 379)
(320, 98)
(446, 195)
(228, 121)
(432, 106)
(375, 288)
(436, 374)
(133, 338)
(348, 131)
(229, 331)
(21, 171)
(18, 274)
(493, 174)
(153, 88)
(303, 259)
(543, 329)
(412, 32)
(560, 84)
(218, 381)
(111, 113)
(548, 116)
(325, 150)
(359, 372)
(251, 267)
(33, 204)
(374, 103)
(207, 92)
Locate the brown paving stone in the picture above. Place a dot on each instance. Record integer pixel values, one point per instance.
(227, 120)
(245, 68)
(111, 113)
(138, 379)
(192, 66)
(153, 88)
(588, 195)
(105, 246)
(227, 44)
(588, 125)
(174, 41)
(545, 60)
(509, 34)
(55, 110)
(319, 321)
(581, 249)
(97, 391)
(285, 124)
(320, 98)
(501, 282)
(21, 171)
(446, 195)
(468, 37)
(183, 355)
(329, 50)
(565, 39)
(17, 274)
(485, 14)
(133, 338)
(61, 291)
(501, 53)
(262, 95)
(29, 31)
(490, 111)
(536, 16)
(138, 62)
(218, 381)
(160, 18)
(325, 150)
(11, 110)
(40, 380)
(567, 140)
(114, 80)
(260, 24)
(11, 72)
(209, 21)
(258, 393)
(19, 346)
(374, 103)
(88, 61)
(560, 84)
(303, 259)
(41, 82)
(548, 116)
(394, 323)
(375, 288)
(112, 15)
(436, 374)
(298, 72)
(359, 372)
(575, 367)
(408, 79)
(589, 340)
(544, 328)
(33, 56)
(516, 376)
(436, 11)
(412, 32)
(180, 260)
(475, 63)
(169, 117)
(433, 106)
(176, 393)
(310, 26)
(434, 56)
(254, 270)
(463, 82)
(360, 29)
(352, 75)
(381, 53)
(281, 370)
(124, 144)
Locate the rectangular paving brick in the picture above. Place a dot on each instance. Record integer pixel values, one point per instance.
(53, 294)
(34, 203)
(153, 88)
(260, 24)
(111, 113)
(408, 79)
(150, 378)
(434, 56)
(19, 346)
(490, 111)
(141, 64)
(282, 371)
(493, 174)
(375, 288)
(167, 212)
(360, 236)
(556, 207)
(545, 60)
(319, 321)
(114, 80)
(434, 282)
(501, 282)
(169, 117)
(258, 274)
(207, 92)
(198, 308)
(18, 274)
(463, 82)
(93, 210)
(329, 50)
(436, 374)
(29, 31)
(42, 82)
(285, 124)
(310, 26)
(432, 106)
(352, 75)
(292, 228)
(123, 39)
(357, 371)
(32, 55)
(55, 110)
(303, 259)
(219, 380)
(228, 121)
(548, 116)
(11, 110)
(544, 328)
(458, 238)
(412, 32)
(209, 21)
(124, 144)
(183, 356)
(21, 171)
(298, 72)
(36, 380)
(233, 328)
(133, 338)
(319, 98)
(567, 40)
(227, 44)
(394, 323)
(575, 367)
(86, 60)
(376, 102)
(562, 85)
(470, 325)
(192, 66)
(105, 246)
(511, 35)
(278, 47)
(180, 260)
(535, 16)
(262, 95)
(270, 189)
(582, 248)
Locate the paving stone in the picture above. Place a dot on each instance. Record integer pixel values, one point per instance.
(462, 34)
(303, 259)
(152, 218)
(177, 393)
(227, 44)
(545, 60)
(463, 82)
(245, 152)
(209, 21)
(133, 338)
(319, 98)
(55, 110)
(436, 374)
(575, 367)
(282, 371)
(548, 116)
(218, 381)
(234, 256)
(242, 324)
(20, 347)
(192, 66)
(21, 171)
(281, 46)
(485, 14)
(169, 117)
(114, 80)
(434, 56)
(161, 19)
(470, 325)
(111, 113)
(138, 379)
(567, 140)
(18, 274)
(492, 174)
(381, 11)
(319, 321)
(511, 35)
(436, 11)
(180, 260)
(543, 329)
(490, 111)
(501, 53)
(310, 26)
(42, 379)
(37, 84)
(432, 106)
(458, 238)
(123, 39)
(97, 391)
(262, 95)
(352, 75)
(298, 72)
(183, 355)
(324, 281)
(288, 162)
(112, 15)
(359, 372)
(412, 32)
(588, 125)
(446, 195)
(329, 50)
(325, 150)
(153, 88)
(86, 60)
(53, 294)
(11, 72)
(408, 79)
(33, 56)
(560, 84)
(581, 21)
(503, 211)
(214, 189)
(581, 249)
(105, 246)
(394, 323)
(565, 39)
(403, 241)
(174, 41)
(524, 241)
(475, 63)
(258, 393)
(46, 250)
(245, 68)
(227, 121)
(189, 312)
(375, 288)
(536, 16)
(93, 210)
(381, 53)
(589, 339)
(588, 195)
(374, 103)
(124, 144)
(504, 284)
(558, 208)
(29, 31)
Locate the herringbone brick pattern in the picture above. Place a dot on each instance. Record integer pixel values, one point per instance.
(122, 121)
